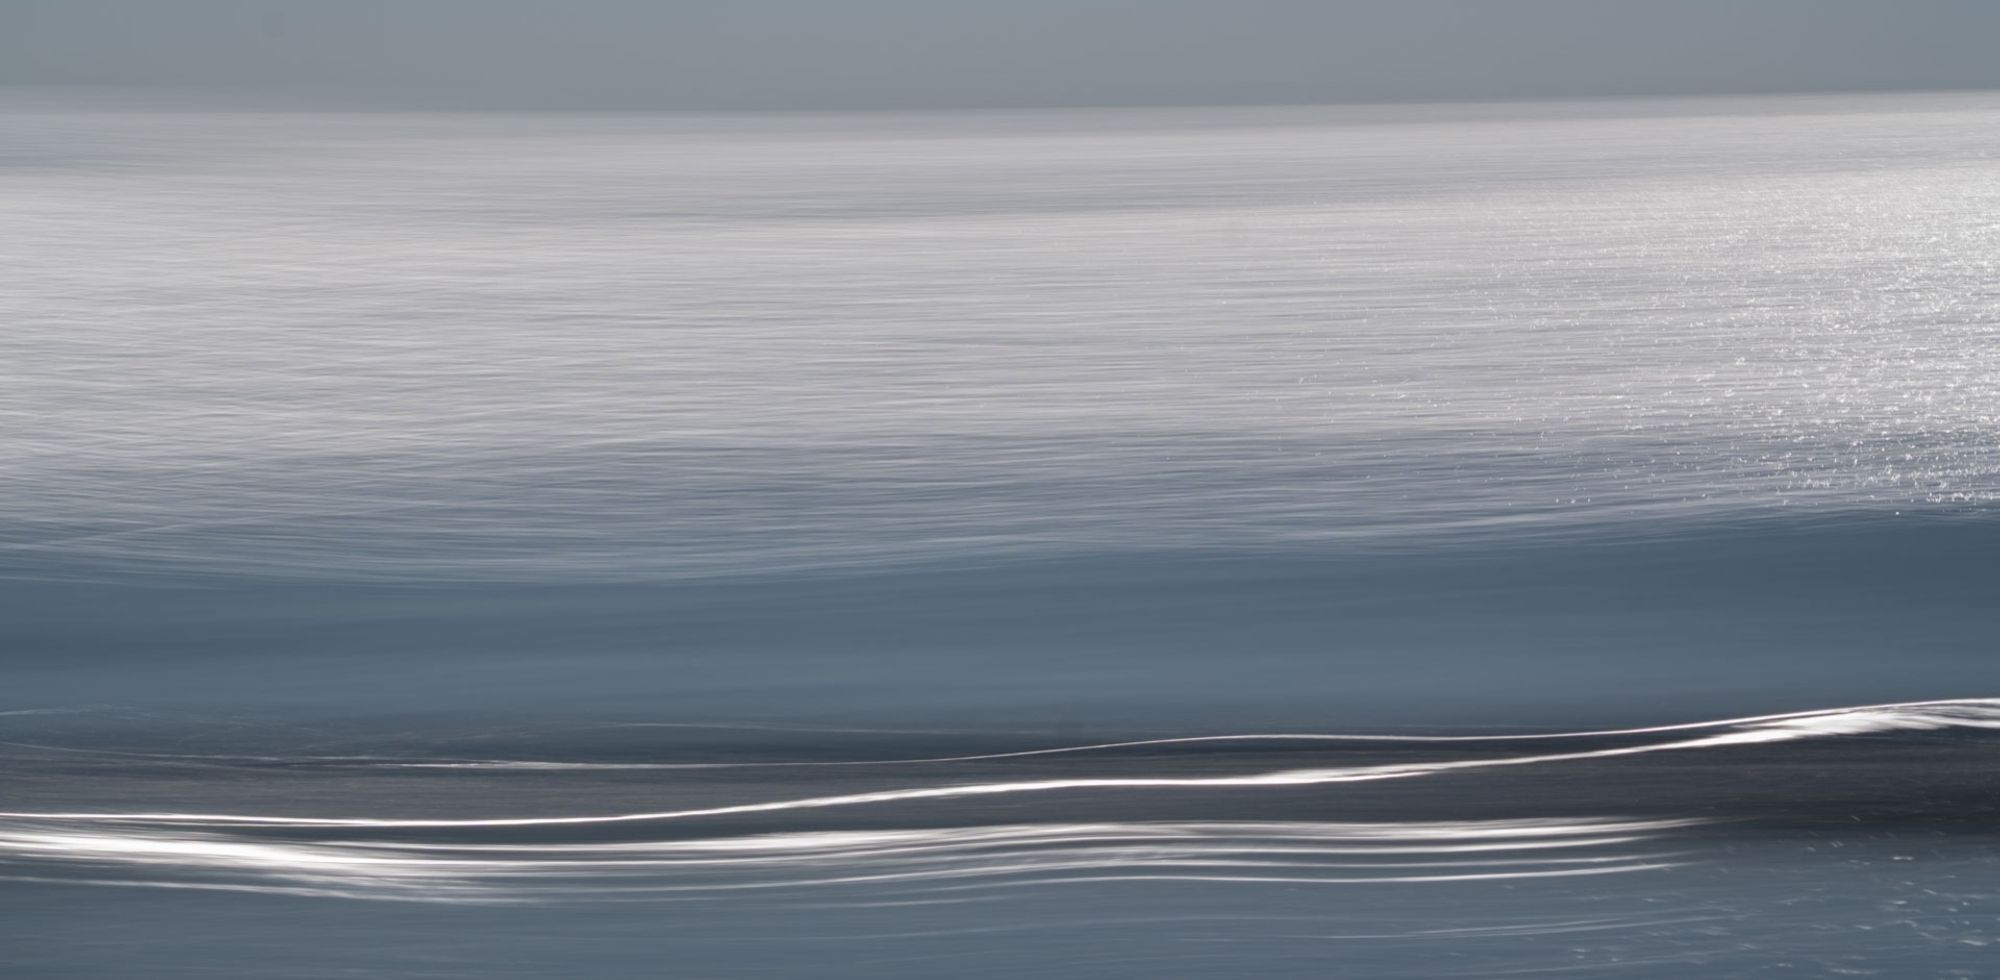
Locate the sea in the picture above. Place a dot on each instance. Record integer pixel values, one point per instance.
(1449, 540)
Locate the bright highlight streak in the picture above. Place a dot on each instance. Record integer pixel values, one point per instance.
(952, 859)
(1761, 729)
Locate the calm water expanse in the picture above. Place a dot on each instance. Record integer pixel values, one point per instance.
(1429, 541)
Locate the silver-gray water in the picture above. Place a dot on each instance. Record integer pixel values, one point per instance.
(648, 545)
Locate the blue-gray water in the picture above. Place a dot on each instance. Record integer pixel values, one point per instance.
(1427, 541)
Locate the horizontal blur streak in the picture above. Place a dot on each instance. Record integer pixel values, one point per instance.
(296, 855)
(1917, 717)
(625, 348)
(1809, 836)
(794, 546)
(1299, 852)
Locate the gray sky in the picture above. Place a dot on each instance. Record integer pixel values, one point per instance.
(816, 54)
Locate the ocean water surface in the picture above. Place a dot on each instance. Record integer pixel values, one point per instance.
(1422, 541)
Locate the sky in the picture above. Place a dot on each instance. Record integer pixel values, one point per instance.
(935, 54)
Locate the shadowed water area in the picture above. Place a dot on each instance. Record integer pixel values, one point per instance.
(1423, 541)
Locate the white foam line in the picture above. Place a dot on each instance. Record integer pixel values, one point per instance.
(1030, 854)
(380, 762)
(1754, 730)
(1420, 836)
(503, 764)
(1124, 842)
(1058, 872)
(539, 867)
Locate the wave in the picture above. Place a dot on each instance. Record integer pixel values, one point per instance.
(937, 860)
(510, 858)
(1850, 720)
(1978, 713)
